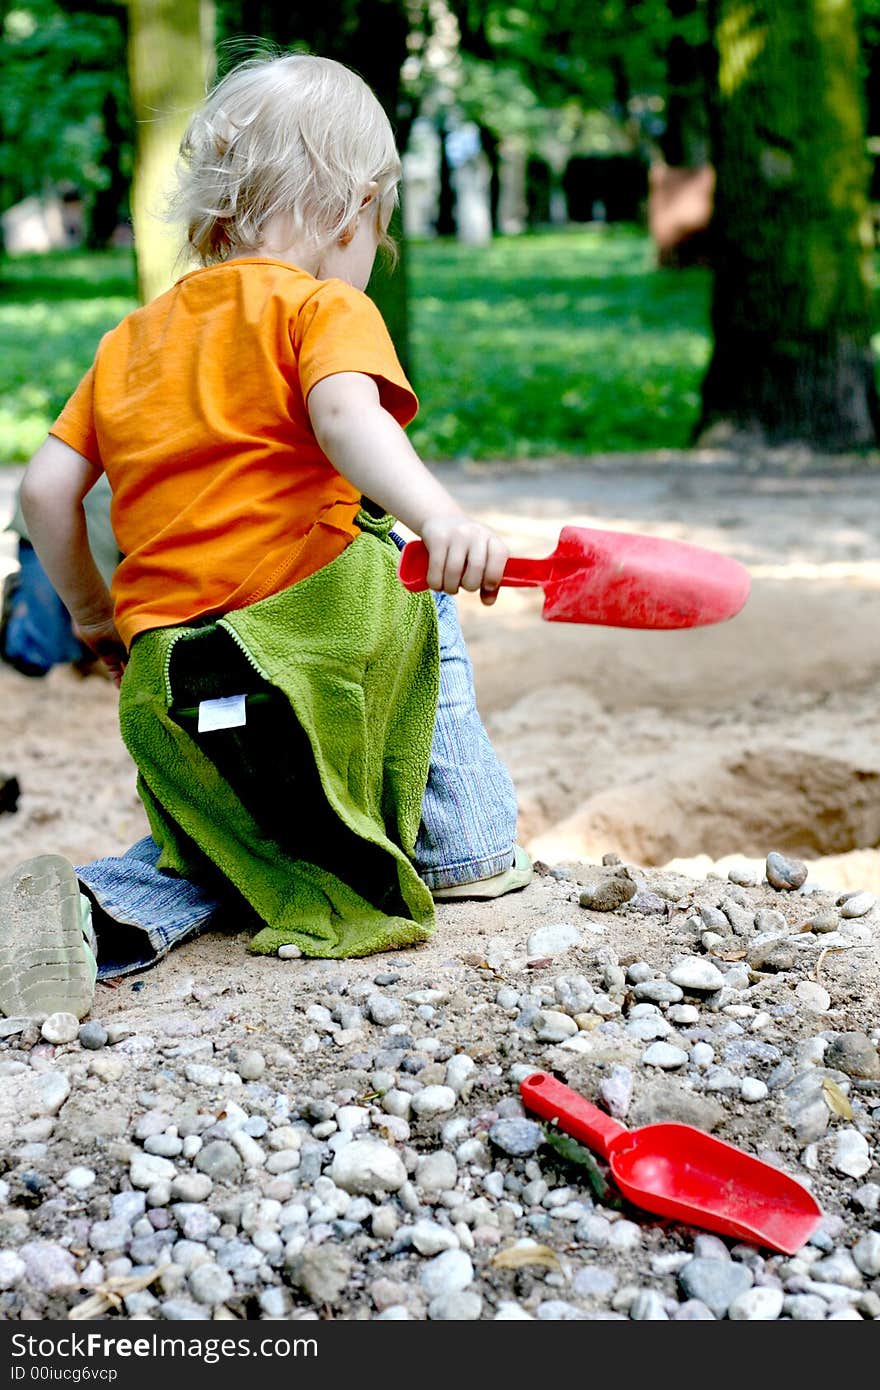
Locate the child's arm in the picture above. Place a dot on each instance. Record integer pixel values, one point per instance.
(55, 483)
(368, 447)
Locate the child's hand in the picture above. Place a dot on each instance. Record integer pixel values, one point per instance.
(105, 642)
(463, 554)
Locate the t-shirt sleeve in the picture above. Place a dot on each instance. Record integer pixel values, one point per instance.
(76, 423)
(339, 329)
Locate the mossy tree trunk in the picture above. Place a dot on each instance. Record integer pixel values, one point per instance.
(791, 309)
(170, 59)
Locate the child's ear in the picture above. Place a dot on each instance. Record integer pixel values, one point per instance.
(371, 190)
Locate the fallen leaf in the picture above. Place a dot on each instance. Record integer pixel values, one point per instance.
(730, 955)
(835, 1099)
(110, 1294)
(520, 1256)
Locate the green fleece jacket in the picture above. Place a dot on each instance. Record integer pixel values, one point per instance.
(357, 658)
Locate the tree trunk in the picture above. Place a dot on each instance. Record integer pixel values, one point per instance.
(445, 222)
(791, 311)
(491, 146)
(170, 56)
(684, 141)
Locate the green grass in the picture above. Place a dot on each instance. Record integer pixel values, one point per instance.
(563, 343)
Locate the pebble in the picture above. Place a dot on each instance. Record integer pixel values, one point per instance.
(430, 1238)
(517, 1137)
(433, 1100)
(753, 1090)
(368, 1167)
(447, 1273)
(79, 1178)
(857, 905)
(52, 1090)
(616, 1090)
(785, 874)
(552, 940)
(855, 1054)
(714, 1282)
(289, 952)
(60, 1028)
(609, 895)
(760, 1304)
(665, 1056)
(383, 1010)
(461, 1306)
(743, 874)
(147, 1169)
(436, 1172)
(12, 1269)
(866, 1254)
(49, 1267)
(813, 997)
(219, 1160)
(648, 1306)
(852, 1153)
(699, 976)
(551, 1026)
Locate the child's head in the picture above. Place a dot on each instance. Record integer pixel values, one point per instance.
(298, 140)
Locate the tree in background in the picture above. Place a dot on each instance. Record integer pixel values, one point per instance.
(170, 57)
(65, 115)
(791, 310)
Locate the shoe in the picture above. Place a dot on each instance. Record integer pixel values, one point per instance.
(510, 881)
(47, 948)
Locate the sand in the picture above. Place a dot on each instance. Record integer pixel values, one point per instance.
(688, 749)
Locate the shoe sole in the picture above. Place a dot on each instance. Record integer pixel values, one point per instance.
(518, 876)
(43, 968)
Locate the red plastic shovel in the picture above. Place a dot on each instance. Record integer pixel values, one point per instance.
(618, 579)
(678, 1171)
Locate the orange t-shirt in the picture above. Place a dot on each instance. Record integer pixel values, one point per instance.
(195, 407)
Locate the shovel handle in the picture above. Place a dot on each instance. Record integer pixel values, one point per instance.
(553, 1100)
(413, 569)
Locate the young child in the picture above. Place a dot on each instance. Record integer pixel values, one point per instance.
(305, 731)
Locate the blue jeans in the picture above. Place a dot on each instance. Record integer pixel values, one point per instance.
(467, 832)
(38, 634)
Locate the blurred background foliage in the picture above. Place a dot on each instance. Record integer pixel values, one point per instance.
(572, 330)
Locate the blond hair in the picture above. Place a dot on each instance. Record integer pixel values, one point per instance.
(297, 136)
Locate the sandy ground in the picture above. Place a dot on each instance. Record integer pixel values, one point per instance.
(687, 747)
(681, 752)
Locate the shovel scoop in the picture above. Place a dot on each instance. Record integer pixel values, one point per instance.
(678, 1171)
(618, 579)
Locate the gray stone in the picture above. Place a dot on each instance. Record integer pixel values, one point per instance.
(322, 1274)
(93, 1035)
(551, 1026)
(785, 874)
(436, 1172)
(219, 1160)
(114, 1234)
(368, 1167)
(196, 1221)
(852, 1153)
(658, 991)
(552, 940)
(593, 1281)
(696, 975)
(12, 1269)
(449, 1272)
(858, 905)
(147, 1169)
(648, 1306)
(430, 1238)
(191, 1187)
(461, 1306)
(383, 1010)
(762, 1304)
(52, 1090)
(714, 1282)
(665, 1056)
(516, 1137)
(855, 1054)
(610, 894)
(615, 1091)
(866, 1254)
(433, 1100)
(210, 1285)
(50, 1267)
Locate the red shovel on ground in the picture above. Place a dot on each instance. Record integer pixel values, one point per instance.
(678, 1171)
(618, 579)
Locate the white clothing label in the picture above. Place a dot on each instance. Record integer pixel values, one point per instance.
(228, 713)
